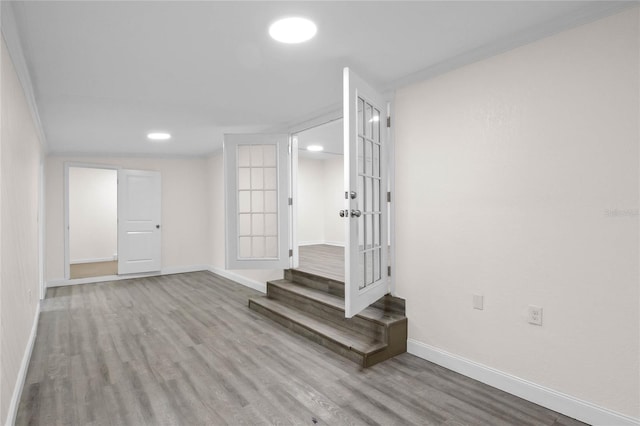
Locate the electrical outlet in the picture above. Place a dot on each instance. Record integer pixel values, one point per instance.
(478, 301)
(535, 315)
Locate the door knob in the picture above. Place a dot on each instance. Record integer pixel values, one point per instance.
(157, 226)
(344, 213)
(356, 213)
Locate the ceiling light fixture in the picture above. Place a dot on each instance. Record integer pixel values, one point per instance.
(159, 136)
(315, 148)
(293, 30)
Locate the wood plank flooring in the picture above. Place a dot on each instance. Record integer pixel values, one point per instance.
(93, 269)
(186, 350)
(322, 259)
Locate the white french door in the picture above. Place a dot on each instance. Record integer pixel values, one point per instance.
(256, 196)
(139, 233)
(365, 168)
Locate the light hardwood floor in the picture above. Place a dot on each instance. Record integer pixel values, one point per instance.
(322, 259)
(185, 349)
(93, 269)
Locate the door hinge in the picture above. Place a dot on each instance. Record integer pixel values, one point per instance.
(388, 197)
(290, 201)
(389, 270)
(389, 121)
(290, 252)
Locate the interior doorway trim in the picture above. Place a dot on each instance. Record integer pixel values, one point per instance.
(67, 166)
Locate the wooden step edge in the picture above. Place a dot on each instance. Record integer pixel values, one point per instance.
(295, 316)
(327, 299)
(312, 276)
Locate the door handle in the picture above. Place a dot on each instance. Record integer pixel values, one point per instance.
(356, 213)
(157, 226)
(344, 213)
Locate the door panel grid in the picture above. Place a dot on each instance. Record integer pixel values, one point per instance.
(370, 190)
(257, 199)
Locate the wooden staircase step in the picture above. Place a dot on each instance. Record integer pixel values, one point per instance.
(351, 344)
(373, 314)
(308, 279)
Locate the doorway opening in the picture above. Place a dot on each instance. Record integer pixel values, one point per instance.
(320, 194)
(93, 222)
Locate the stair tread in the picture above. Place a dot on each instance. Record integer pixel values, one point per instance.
(352, 340)
(370, 313)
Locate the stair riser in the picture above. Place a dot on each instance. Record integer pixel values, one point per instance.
(309, 334)
(319, 283)
(336, 316)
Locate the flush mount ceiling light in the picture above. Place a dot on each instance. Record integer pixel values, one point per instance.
(315, 148)
(159, 136)
(292, 30)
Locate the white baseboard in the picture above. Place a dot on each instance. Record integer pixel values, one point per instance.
(247, 282)
(546, 397)
(164, 271)
(22, 373)
(94, 260)
(322, 242)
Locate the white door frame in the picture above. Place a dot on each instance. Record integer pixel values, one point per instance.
(67, 166)
(337, 114)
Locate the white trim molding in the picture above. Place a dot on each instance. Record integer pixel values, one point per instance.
(22, 373)
(546, 397)
(321, 242)
(247, 282)
(96, 260)
(106, 278)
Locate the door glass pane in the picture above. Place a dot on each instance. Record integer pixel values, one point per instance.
(270, 157)
(257, 201)
(244, 247)
(360, 117)
(271, 247)
(360, 154)
(244, 201)
(270, 178)
(244, 178)
(376, 265)
(376, 160)
(257, 178)
(256, 156)
(376, 230)
(271, 224)
(376, 125)
(368, 195)
(368, 120)
(368, 158)
(270, 201)
(244, 156)
(257, 247)
(257, 224)
(244, 224)
(361, 266)
(376, 195)
(368, 268)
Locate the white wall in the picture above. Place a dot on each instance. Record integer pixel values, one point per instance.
(20, 155)
(93, 214)
(185, 214)
(310, 202)
(333, 194)
(517, 178)
(320, 198)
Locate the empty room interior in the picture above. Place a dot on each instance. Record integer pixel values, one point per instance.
(320, 213)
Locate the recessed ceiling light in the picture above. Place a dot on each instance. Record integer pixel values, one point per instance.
(293, 30)
(159, 136)
(315, 148)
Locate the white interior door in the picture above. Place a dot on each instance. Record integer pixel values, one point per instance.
(139, 232)
(365, 138)
(256, 196)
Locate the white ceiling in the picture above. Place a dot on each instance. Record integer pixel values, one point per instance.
(106, 73)
(328, 135)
